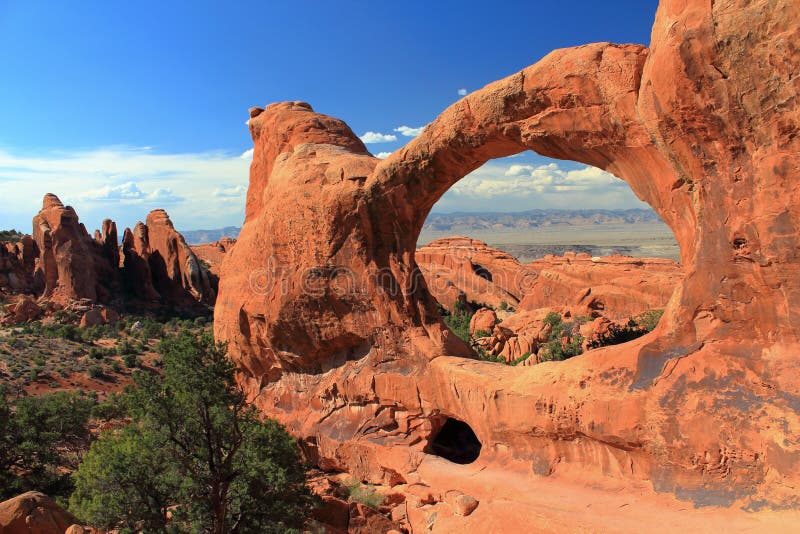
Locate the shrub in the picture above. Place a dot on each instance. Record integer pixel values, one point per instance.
(37, 435)
(648, 320)
(482, 333)
(94, 371)
(364, 494)
(562, 343)
(503, 305)
(130, 360)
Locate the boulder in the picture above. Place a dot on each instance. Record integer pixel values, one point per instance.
(98, 316)
(34, 513)
(24, 310)
(484, 319)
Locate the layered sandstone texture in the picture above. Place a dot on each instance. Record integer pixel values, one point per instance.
(336, 337)
(64, 267)
(460, 269)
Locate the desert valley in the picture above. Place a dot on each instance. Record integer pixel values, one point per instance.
(350, 359)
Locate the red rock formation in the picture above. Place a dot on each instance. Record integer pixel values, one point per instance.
(336, 337)
(61, 264)
(71, 265)
(213, 253)
(616, 287)
(458, 266)
(17, 262)
(484, 319)
(34, 513)
(159, 264)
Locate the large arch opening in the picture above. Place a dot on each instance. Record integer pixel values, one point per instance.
(532, 259)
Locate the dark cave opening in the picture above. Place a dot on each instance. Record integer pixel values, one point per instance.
(456, 442)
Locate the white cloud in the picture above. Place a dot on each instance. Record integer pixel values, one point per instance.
(383, 155)
(501, 186)
(129, 193)
(462, 92)
(247, 154)
(407, 131)
(230, 192)
(375, 137)
(124, 183)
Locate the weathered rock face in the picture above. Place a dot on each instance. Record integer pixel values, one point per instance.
(72, 265)
(337, 338)
(617, 287)
(61, 264)
(17, 262)
(213, 253)
(159, 264)
(33, 513)
(464, 269)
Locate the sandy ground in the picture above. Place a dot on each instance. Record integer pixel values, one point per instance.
(511, 502)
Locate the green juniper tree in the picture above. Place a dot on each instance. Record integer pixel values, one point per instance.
(194, 447)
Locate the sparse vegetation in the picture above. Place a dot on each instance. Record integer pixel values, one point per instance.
(563, 342)
(363, 493)
(458, 320)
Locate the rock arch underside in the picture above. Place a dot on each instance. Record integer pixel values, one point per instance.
(337, 336)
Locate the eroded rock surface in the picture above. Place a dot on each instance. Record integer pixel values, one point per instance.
(337, 338)
(460, 269)
(61, 264)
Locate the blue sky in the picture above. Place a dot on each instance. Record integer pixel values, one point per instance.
(121, 107)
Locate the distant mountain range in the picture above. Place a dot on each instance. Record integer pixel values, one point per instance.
(471, 221)
(198, 237)
(461, 222)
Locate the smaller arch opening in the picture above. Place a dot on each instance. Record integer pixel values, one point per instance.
(482, 271)
(455, 441)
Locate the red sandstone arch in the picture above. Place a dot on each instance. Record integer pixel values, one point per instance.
(703, 126)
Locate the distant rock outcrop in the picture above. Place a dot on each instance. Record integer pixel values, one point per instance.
(464, 269)
(160, 259)
(61, 264)
(71, 265)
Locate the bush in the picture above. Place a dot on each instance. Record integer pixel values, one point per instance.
(130, 360)
(37, 435)
(94, 371)
(458, 320)
(562, 343)
(482, 333)
(364, 494)
(151, 329)
(648, 320)
(112, 408)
